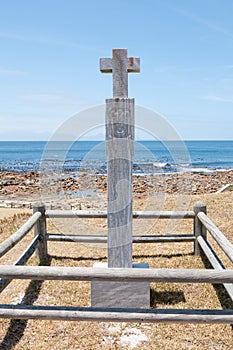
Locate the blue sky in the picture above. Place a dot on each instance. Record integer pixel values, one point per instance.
(49, 62)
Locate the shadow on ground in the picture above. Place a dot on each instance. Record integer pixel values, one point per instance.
(80, 258)
(221, 292)
(166, 298)
(222, 295)
(17, 327)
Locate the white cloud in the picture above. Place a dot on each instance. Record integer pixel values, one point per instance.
(44, 40)
(217, 98)
(43, 97)
(56, 100)
(23, 37)
(175, 69)
(11, 71)
(207, 23)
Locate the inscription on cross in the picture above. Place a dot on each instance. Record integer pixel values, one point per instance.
(120, 65)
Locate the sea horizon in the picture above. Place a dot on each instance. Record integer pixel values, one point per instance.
(151, 156)
(137, 140)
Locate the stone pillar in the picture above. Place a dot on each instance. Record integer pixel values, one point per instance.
(119, 151)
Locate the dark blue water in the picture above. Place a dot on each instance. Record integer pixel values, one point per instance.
(150, 156)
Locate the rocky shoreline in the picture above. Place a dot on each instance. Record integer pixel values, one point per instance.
(194, 183)
(15, 186)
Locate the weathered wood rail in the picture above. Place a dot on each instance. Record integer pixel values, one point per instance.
(103, 239)
(16, 237)
(115, 315)
(88, 214)
(85, 214)
(224, 244)
(202, 225)
(116, 274)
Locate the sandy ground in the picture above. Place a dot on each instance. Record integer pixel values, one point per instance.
(7, 212)
(47, 334)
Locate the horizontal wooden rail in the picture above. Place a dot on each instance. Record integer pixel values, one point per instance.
(69, 214)
(163, 214)
(215, 262)
(103, 214)
(75, 238)
(10, 242)
(219, 237)
(29, 251)
(115, 315)
(116, 274)
(103, 239)
(22, 260)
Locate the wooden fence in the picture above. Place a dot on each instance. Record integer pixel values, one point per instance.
(202, 224)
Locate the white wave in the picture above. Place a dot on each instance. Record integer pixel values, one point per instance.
(161, 165)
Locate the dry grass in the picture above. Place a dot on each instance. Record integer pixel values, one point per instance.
(36, 334)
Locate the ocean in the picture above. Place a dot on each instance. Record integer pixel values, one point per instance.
(150, 156)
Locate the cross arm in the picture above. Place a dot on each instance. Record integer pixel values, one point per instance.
(106, 65)
(134, 64)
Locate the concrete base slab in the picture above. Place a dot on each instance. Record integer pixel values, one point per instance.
(120, 294)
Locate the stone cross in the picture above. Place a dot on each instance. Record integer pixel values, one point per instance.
(120, 127)
(120, 65)
(120, 150)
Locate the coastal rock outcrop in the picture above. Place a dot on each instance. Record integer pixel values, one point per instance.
(190, 183)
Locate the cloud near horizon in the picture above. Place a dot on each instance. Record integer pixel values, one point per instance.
(217, 98)
(12, 71)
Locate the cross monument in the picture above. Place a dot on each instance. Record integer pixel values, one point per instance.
(120, 130)
(119, 150)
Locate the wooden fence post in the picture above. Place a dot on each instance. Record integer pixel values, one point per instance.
(40, 229)
(199, 229)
